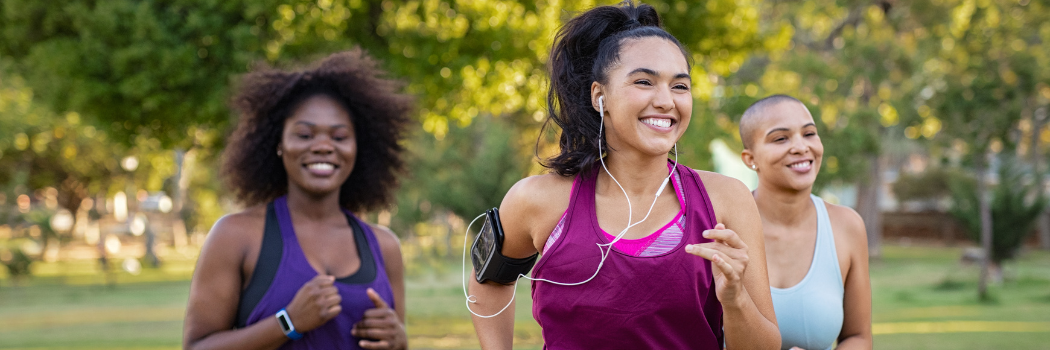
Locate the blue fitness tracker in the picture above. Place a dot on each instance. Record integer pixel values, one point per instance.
(287, 326)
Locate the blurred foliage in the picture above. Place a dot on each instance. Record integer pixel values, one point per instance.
(13, 257)
(39, 149)
(470, 58)
(1017, 202)
(929, 185)
(85, 83)
(158, 73)
(134, 68)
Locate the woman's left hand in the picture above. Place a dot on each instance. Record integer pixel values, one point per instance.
(381, 325)
(728, 256)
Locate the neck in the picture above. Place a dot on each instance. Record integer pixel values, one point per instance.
(313, 206)
(782, 206)
(639, 175)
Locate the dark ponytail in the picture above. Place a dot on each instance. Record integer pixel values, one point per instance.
(584, 50)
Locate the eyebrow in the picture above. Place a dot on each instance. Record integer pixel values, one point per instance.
(654, 73)
(776, 130)
(786, 129)
(312, 124)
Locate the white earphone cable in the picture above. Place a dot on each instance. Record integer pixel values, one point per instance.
(604, 252)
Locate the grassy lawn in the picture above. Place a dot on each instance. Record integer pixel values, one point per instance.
(923, 299)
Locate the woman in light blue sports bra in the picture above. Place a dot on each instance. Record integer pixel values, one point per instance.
(817, 253)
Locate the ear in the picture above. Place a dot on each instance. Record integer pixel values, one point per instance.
(596, 92)
(748, 158)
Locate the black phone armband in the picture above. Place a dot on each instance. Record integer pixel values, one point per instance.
(487, 254)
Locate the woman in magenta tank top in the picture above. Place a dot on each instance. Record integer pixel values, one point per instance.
(296, 269)
(685, 268)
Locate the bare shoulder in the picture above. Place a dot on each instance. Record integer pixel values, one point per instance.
(538, 195)
(715, 182)
(847, 226)
(237, 231)
(388, 241)
(728, 195)
(531, 209)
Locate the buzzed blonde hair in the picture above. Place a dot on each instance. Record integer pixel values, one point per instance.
(754, 113)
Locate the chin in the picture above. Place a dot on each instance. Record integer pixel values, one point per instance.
(320, 189)
(803, 186)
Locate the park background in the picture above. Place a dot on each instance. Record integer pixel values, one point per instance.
(114, 114)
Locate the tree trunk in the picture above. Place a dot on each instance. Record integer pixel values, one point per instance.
(985, 208)
(184, 162)
(869, 196)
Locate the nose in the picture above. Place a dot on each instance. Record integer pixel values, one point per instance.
(663, 100)
(799, 146)
(323, 145)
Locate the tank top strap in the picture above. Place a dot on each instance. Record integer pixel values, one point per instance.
(370, 237)
(825, 248)
(582, 201)
(284, 220)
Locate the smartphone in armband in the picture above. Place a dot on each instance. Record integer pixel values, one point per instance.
(487, 254)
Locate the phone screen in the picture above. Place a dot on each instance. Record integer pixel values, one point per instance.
(482, 250)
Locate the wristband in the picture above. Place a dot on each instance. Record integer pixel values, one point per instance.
(287, 326)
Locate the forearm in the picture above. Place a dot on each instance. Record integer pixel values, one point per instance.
(746, 327)
(494, 333)
(263, 335)
(855, 342)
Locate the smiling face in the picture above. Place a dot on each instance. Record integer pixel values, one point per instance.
(318, 146)
(786, 149)
(647, 98)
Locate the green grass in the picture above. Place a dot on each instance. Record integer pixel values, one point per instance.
(923, 299)
(919, 289)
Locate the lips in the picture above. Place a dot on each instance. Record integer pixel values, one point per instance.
(321, 168)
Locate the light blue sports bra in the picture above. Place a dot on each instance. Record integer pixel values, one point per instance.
(809, 313)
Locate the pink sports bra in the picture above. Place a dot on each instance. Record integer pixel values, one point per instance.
(656, 243)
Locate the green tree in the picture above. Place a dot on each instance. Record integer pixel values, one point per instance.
(1016, 203)
(154, 68)
(980, 78)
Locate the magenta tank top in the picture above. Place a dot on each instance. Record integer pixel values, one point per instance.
(294, 270)
(665, 301)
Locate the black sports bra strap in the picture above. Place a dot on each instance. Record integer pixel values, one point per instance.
(265, 268)
(367, 272)
(270, 259)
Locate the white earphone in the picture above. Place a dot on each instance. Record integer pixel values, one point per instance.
(604, 252)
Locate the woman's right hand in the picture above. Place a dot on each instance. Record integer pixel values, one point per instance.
(314, 304)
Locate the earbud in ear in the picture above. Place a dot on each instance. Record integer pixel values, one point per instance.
(601, 104)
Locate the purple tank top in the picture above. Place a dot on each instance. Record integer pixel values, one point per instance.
(665, 301)
(294, 271)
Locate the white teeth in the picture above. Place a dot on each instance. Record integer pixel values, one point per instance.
(800, 165)
(663, 123)
(321, 166)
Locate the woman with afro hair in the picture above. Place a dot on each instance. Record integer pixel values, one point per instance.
(296, 269)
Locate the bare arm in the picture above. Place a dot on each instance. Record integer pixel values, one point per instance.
(739, 262)
(856, 323)
(529, 212)
(215, 293)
